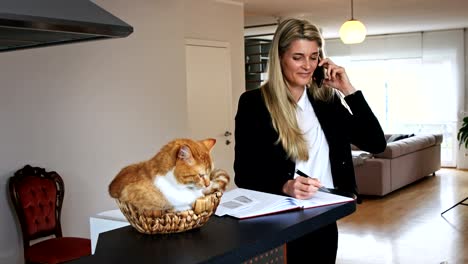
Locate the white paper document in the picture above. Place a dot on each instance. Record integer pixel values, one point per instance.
(244, 203)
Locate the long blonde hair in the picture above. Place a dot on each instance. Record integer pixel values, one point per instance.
(278, 98)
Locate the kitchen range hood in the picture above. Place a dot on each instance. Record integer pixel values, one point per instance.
(38, 23)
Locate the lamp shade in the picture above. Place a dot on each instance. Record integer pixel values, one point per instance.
(352, 32)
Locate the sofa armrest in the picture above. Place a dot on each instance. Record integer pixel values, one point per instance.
(438, 139)
(373, 177)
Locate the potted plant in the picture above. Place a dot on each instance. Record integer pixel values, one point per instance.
(462, 135)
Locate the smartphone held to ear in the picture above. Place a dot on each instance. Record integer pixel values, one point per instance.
(319, 75)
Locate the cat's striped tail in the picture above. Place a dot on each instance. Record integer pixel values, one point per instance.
(219, 180)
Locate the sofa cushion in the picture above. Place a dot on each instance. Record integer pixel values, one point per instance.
(407, 145)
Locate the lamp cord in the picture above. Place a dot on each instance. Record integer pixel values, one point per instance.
(352, 11)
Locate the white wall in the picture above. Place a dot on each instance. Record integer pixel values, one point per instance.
(87, 110)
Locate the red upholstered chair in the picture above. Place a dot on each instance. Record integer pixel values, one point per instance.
(37, 196)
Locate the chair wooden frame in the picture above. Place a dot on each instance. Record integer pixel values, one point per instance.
(16, 189)
(37, 172)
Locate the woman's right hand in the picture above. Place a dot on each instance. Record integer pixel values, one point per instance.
(301, 187)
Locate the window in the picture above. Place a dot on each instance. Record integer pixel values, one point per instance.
(415, 90)
(407, 97)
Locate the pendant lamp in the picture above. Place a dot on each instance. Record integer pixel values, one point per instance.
(352, 31)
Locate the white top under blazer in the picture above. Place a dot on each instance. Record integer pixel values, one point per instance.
(318, 165)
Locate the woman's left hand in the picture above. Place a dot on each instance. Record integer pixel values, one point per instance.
(336, 77)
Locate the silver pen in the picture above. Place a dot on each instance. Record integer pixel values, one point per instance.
(323, 189)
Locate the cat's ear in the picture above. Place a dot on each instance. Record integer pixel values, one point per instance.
(184, 153)
(209, 143)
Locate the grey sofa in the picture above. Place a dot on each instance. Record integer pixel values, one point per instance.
(403, 162)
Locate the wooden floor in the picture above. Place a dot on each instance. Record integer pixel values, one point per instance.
(406, 226)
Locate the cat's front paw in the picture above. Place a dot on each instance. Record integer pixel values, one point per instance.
(219, 180)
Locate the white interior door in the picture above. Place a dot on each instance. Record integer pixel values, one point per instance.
(208, 69)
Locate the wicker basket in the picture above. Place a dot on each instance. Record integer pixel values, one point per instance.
(161, 222)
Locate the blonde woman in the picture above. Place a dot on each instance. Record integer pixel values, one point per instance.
(291, 123)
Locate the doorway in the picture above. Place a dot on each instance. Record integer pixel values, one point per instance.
(209, 104)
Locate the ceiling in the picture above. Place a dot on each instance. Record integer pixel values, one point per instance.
(379, 16)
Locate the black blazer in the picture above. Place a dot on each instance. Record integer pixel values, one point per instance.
(261, 163)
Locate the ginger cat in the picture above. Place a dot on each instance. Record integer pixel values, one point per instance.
(173, 179)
